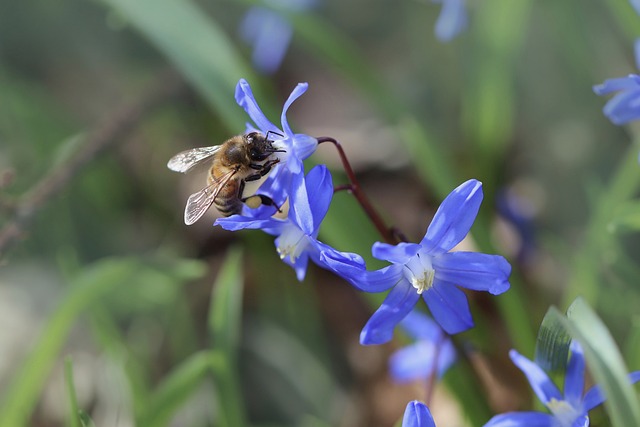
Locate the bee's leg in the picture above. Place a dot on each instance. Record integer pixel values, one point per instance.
(262, 169)
(256, 200)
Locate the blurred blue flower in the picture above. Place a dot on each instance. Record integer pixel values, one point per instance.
(297, 235)
(636, 5)
(452, 20)
(625, 105)
(570, 410)
(416, 361)
(417, 415)
(429, 270)
(518, 212)
(269, 33)
(296, 146)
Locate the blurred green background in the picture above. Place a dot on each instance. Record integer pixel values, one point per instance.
(107, 274)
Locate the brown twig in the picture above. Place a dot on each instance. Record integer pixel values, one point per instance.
(387, 233)
(113, 129)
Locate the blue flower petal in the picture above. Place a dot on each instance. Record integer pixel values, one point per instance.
(398, 303)
(415, 362)
(542, 386)
(319, 185)
(304, 145)
(574, 377)
(295, 94)
(397, 254)
(454, 218)
(245, 99)
(240, 222)
(581, 421)
(339, 262)
(420, 326)
(595, 396)
(300, 212)
(362, 279)
(623, 107)
(632, 81)
(449, 307)
(522, 419)
(636, 6)
(417, 415)
(272, 41)
(251, 24)
(472, 270)
(300, 265)
(452, 20)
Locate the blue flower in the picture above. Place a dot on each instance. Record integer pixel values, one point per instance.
(417, 415)
(296, 147)
(625, 105)
(297, 235)
(452, 20)
(430, 270)
(269, 33)
(636, 5)
(570, 410)
(416, 361)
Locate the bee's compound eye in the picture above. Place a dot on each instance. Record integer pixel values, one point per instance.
(251, 137)
(255, 154)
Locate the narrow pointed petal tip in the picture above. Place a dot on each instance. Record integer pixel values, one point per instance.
(417, 415)
(475, 271)
(297, 92)
(454, 218)
(398, 303)
(542, 386)
(245, 99)
(449, 307)
(398, 254)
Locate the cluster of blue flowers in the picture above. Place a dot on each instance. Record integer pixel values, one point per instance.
(429, 269)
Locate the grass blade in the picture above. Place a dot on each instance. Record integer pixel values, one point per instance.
(74, 420)
(224, 328)
(606, 364)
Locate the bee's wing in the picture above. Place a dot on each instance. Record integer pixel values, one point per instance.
(198, 203)
(185, 160)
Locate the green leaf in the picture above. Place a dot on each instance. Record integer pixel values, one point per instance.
(552, 345)
(175, 389)
(606, 364)
(604, 360)
(87, 288)
(85, 419)
(626, 217)
(91, 285)
(196, 45)
(74, 420)
(225, 312)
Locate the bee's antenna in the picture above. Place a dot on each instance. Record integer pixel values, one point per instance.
(268, 132)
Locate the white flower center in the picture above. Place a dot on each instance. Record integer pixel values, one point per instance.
(419, 272)
(292, 242)
(563, 411)
(280, 144)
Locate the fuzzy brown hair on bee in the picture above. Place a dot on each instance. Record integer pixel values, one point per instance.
(240, 159)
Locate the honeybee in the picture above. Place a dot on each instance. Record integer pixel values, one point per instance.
(238, 160)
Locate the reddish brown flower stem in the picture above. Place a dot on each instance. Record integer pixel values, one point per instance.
(354, 188)
(431, 381)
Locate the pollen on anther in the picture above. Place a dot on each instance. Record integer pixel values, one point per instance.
(424, 282)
